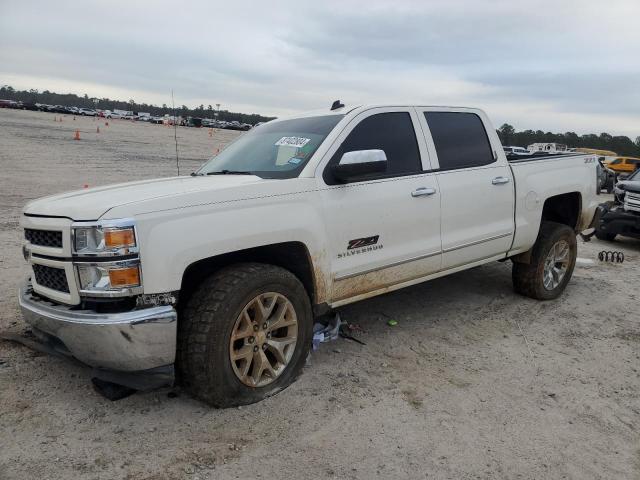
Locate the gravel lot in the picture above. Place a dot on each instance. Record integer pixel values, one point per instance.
(473, 382)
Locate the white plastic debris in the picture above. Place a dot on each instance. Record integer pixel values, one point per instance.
(326, 333)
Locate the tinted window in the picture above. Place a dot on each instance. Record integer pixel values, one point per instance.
(460, 139)
(391, 132)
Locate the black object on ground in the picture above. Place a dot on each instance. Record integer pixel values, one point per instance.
(611, 256)
(111, 391)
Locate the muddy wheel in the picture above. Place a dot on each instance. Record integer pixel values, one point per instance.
(552, 262)
(244, 335)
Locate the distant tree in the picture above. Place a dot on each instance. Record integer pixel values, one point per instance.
(506, 133)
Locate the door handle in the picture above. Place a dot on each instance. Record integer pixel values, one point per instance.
(500, 180)
(423, 192)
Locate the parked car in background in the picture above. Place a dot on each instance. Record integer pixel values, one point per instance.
(113, 115)
(549, 148)
(623, 164)
(606, 176)
(622, 216)
(7, 103)
(89, 112)
(515, 152)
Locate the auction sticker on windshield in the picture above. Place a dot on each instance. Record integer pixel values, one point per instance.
(297, 142)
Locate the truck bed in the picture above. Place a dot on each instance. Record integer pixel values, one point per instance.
(547, 156)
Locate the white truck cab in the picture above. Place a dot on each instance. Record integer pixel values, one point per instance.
(219, 274)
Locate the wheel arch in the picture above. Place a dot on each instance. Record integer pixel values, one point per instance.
(293, 256)
(564, 208)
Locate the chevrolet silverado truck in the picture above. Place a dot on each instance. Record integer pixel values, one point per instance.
(214, 279)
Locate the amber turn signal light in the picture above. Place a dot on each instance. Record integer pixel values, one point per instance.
(124, 277)
(123, 237)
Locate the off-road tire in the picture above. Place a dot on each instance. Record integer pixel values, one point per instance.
(528, 277)
(606, 236)
(206, 322)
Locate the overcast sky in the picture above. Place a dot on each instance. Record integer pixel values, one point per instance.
(553, 65)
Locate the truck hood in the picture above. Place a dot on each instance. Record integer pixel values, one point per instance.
(92, 203)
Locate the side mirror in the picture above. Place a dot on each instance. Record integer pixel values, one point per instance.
(358, 163)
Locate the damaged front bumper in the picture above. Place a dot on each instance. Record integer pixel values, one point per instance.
(616, 220)
(135, 348)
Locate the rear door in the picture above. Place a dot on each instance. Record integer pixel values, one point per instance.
(476, 185)
(384, 229)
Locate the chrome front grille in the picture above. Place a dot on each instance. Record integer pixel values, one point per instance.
(43, 238)
(632, 201)
(50, 277)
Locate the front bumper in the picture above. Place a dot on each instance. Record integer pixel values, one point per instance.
(617, 220)
(131, 341)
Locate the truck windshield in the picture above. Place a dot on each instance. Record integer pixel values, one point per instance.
(277, 149)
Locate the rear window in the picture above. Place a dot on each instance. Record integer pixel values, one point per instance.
(460, 140)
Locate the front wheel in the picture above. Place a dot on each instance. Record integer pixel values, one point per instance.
(553, 259)
(244, 334)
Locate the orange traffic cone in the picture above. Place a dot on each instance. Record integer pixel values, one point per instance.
(77, 135)
(97, 129)
(106, 124)
(210, 132)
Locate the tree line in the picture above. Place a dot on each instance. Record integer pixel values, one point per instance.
(72, 100)
(508, 136)
(620, 144)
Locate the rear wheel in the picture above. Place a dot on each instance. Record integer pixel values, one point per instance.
(553, 259)
(244, 334)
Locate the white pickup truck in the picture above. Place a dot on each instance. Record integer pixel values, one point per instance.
(221, 273)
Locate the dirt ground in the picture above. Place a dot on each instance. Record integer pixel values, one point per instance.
(475, 382)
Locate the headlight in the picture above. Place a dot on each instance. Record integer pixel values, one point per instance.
(109, 278)
(106, 260)
(109, 238)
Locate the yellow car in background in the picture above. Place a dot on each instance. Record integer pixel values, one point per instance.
(623, 164)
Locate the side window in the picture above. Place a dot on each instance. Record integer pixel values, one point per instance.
(460, 139)
(391, 132)
(617, 161)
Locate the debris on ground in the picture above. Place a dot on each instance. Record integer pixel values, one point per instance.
(111, 391)
(347, 329)
(335, 327)
(392, 323)
(611, 256)
(326, 332)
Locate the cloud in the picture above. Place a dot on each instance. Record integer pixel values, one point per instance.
(568, 65)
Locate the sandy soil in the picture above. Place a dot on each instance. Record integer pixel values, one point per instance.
(474, 381)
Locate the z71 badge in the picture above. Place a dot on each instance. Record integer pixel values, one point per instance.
(361, 245)
(363, 242)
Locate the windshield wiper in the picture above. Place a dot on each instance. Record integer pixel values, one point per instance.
(230, 172)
